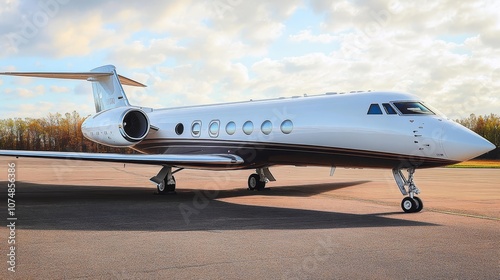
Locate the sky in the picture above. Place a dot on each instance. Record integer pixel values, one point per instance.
(213, 51)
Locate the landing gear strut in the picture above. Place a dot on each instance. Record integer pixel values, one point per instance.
(257, 181)
(411, 203)
(165, 181)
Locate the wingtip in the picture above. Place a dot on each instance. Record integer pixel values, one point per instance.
(129, 82)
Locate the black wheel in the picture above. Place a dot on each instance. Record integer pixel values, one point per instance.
(171, 187)
(420, 204)
(164, 188)
(253, 181)
(261, 185)
(161, 187)
(409, 205)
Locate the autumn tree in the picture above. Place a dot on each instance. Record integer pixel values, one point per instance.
(488, 127)
(52, 133)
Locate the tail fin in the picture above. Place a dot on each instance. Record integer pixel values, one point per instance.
(106, 84)
(108, 91)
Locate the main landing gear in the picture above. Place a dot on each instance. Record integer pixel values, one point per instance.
(257, 181)
(165, 181)
(411, 203)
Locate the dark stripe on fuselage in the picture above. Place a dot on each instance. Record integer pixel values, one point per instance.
(260, 154)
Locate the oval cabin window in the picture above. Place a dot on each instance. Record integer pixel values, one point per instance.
(248, 127)
(287, 126)
(196, 129)
(213, 129)
(266, 127)
(231, 128)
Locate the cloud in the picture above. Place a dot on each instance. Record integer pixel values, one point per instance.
(59, 89)
(196, 52)
(305, 35)
(26, 92)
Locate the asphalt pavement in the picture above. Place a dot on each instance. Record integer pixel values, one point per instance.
(104, 221)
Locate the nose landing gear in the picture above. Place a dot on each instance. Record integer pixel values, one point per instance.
(411, 203)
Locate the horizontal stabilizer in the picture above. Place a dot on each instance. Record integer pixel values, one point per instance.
(89, 76)
(181, 160)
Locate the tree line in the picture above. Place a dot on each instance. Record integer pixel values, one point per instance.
(57, 132)
(487, 126)
(54, 132)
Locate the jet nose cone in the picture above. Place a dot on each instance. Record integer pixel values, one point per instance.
(461, 144)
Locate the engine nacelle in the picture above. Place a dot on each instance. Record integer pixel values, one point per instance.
(118, 127)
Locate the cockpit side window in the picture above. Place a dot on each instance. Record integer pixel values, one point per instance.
(374, 110)
(388, 109)
(413, 108)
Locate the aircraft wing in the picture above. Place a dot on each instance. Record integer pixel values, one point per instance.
(181, 160)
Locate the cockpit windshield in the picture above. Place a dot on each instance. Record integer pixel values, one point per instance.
(412, 108)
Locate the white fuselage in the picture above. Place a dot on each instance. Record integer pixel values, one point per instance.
(327, 130)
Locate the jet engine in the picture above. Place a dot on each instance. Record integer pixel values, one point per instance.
(118, 127)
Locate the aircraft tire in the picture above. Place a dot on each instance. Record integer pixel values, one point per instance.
(253, 181)
(161, 187)
(420, 204)
(164, 188)
(409, 205)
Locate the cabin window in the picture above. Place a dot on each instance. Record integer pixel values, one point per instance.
(248, 127)
(196, 128)
(388, 109)
(412, 108)
(213, 128)
(286, 126)
(179, 129)
(230, 128)
(374, 110)
(266, 127)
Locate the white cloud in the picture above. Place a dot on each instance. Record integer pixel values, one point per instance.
(195, 52)
(59, 89)
(26, 92)
(306, 35)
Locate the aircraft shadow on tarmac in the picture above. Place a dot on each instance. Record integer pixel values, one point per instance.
(71, 207)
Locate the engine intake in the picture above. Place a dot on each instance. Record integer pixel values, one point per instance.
(135, 126)
(118, 127)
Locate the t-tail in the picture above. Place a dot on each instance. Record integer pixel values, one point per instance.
(107, 89)
(116, 123)
(106, 84)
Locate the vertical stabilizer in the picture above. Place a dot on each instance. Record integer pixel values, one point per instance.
(106, 84)
(108, 91)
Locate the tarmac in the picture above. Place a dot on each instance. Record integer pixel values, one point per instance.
(90, 220)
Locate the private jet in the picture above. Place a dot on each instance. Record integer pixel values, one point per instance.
(375, 129)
